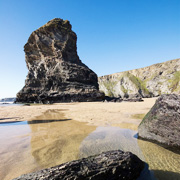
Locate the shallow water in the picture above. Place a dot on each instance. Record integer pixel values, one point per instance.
(51, 139)
(164, 163)
(10, 104)
(47, 141)
(110, 138)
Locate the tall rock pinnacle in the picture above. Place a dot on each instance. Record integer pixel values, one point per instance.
(56, 74)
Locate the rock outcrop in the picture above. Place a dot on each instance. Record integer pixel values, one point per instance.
(109, 165)
(56, 74)
(129, 98)
(151, 81)
(12, 99)
(162, 122)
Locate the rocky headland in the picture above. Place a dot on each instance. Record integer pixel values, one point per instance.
(162, 122)
(151, 81)
(56, 74)
(105, 166)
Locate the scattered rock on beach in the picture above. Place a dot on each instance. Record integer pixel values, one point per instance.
(162, 123)
(108, 165)
(128, 98)
(56, 74)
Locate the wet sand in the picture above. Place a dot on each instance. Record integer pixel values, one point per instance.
(93, 113)
(69, 131)
(47, 141)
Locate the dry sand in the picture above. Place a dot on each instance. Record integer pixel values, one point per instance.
(94, 113)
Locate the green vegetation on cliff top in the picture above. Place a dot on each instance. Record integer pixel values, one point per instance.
(175, 81)
(110, 87)
(141, 85)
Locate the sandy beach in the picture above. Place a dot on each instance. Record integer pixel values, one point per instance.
(77, 130)
(124, 114)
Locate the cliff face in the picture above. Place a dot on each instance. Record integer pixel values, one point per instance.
(56, 73)
(162, 78)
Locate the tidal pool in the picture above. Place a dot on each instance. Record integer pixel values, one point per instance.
(51, 139)
(164, 164)
(47, 141)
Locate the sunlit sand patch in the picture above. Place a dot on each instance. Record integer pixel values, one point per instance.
(124, 125)
(138, 116)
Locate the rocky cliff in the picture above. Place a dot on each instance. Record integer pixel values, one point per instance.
(56, 74)
(161, 78)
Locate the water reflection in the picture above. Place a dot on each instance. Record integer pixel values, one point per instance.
(56, 143)
(45, 141)
(14, 151)
(11, 123)
(52, 139)
(160, 160)
(16, 123)
(110, 138)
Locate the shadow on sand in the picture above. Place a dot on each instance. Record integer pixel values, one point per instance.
(10, 123)
(166, 175)
(8, 118)
(46, 121)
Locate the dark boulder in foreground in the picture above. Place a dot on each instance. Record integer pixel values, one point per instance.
(112, 165)
(56, 74)
(162, 123)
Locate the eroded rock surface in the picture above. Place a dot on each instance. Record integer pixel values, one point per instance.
(128, 98)
(56, 74)
(162, 123)
(112, 165)
(150, 81)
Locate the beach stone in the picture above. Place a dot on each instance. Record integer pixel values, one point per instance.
(56, 74)
(112, 165)
(162, 122)
(128, 98)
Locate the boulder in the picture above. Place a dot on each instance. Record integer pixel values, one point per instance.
(133, 98)
(162, 123)
(112, 165)
(129, 98)
(56, 74)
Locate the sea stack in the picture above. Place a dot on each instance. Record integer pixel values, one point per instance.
(56, 74)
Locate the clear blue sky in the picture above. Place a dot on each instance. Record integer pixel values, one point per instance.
(113, 35)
